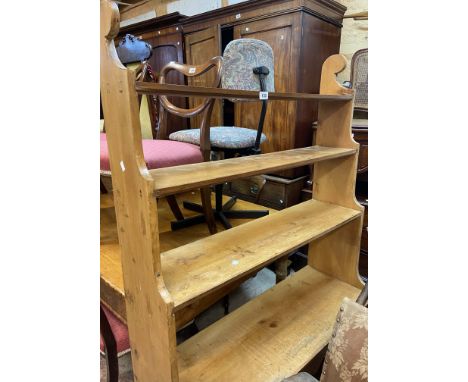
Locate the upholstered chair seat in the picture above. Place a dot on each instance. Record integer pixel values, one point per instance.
(119, 330)
(221, 137)
(159, 153)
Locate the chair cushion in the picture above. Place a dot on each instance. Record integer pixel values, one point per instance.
(240, 57)
(346, 359)
(223, 137)
(120, 332)
(159, 153)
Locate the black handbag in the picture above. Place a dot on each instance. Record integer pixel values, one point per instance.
(132, 49)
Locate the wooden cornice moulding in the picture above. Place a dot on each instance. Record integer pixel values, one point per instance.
(159, 22)
(328, 10)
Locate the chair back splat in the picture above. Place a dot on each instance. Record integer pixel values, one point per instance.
(206, 107)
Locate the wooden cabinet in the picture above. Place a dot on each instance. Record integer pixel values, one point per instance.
(360, 134)
(302, 34)
(200, 47)
(167, 47)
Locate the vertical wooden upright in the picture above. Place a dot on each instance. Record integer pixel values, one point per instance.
(149, 306)
(337, 254)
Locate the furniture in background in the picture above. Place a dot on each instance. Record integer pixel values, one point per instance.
(164, 33)
(304, 305)
(109, 343)
(359, 82)
(248, 64)
(302, 34)
(204, 109)
(159, 153)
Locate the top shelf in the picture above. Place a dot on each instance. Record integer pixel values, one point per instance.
(198, 91)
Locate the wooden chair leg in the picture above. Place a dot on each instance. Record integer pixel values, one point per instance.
(172, 201)
(207, 210)
(111, 349)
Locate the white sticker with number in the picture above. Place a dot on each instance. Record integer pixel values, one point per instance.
(263, 95)
(192, 70)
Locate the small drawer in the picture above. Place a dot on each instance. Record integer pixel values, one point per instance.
(276, 193)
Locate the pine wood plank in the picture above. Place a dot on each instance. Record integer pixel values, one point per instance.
(271, 337)
(200, 91)
(338, 253)
(111, 278)
(196, 269)
(172, 180)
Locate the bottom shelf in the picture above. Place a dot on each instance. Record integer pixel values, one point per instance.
(271, 337)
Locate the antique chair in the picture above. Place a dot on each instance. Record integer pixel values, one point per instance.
(359, 80)
(247, 65)
(204, 135)
(161, 152)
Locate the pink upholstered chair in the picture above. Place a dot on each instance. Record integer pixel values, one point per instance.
(161, 153)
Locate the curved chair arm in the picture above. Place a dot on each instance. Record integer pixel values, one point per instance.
(190, 71)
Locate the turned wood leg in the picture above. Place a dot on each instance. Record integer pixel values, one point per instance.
(172, 201)
(110, 348)
(207, 210)
(281, 269)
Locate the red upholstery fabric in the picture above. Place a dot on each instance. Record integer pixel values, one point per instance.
(119, 329)
(159, 153)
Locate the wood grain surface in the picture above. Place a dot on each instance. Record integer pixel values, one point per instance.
(171, 180)
(269, 338)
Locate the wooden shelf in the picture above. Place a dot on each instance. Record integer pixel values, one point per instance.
(111, 277)
(196, 269)
(170, 180)
(200, 91)
(271, 337)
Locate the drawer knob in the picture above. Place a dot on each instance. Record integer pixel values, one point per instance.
(254, 189)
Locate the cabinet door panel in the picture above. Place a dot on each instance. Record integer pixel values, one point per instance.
(279, 33)
(168, 48)
(199, 48)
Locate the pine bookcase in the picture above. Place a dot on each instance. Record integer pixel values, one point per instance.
(276, 334)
